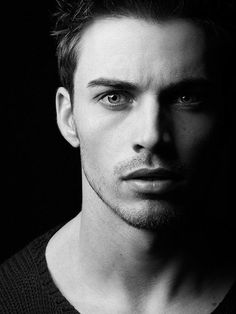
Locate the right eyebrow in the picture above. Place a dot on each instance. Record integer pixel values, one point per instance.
(113, 83)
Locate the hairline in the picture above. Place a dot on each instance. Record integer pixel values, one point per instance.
(78, 39)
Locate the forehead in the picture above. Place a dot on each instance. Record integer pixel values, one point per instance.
(140, 51)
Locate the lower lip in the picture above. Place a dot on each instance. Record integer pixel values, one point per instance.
(152, 186)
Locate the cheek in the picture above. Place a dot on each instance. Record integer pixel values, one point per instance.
(99, 141)
(194, 134)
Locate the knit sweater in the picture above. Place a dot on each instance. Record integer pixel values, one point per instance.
(26, 285)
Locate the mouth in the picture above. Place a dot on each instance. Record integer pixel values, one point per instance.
(157, 181)
(153, 174)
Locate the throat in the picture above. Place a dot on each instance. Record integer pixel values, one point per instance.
(130, 276)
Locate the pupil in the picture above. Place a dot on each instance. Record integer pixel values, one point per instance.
(185, 98)
(114, 98)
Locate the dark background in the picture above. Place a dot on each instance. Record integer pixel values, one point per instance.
(41, 175)
(40, 171)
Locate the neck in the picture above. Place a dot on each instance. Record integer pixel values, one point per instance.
(97, 254)
(113, 251)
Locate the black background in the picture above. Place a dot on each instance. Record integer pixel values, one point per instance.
(40, 171)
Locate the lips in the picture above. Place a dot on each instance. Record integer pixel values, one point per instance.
(153, 174)
(153, 181)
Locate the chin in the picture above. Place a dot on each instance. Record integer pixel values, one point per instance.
(149, 215)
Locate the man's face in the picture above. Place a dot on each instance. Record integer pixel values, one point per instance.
(142, 101)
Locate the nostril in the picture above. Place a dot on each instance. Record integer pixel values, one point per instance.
(152, 143)
(137, 148)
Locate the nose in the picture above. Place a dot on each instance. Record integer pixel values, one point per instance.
(152, 127)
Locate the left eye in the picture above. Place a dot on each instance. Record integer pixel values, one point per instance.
(189, 99)
(185, 98)
(116, 99)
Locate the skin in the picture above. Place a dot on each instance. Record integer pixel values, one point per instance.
(115, 244)
(141, 134)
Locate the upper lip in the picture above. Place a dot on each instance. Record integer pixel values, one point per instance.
(155, 174)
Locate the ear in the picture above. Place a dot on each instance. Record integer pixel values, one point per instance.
(65, 118)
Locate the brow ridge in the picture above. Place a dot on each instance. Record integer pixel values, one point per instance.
(120, 84)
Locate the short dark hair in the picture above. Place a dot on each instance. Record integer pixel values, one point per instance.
(74, 16)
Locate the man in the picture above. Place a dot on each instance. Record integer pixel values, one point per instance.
(145, 98)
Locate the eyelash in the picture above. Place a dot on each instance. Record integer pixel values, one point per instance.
(180, 99)
(118, 93)
(174, 100)
(196, 100)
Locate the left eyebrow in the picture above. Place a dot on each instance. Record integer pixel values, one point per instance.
(188, 83)
(117, 84)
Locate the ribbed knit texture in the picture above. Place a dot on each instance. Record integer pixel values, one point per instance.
(26, 285)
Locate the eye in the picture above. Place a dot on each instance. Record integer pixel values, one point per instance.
(116, 100)
(189, 99)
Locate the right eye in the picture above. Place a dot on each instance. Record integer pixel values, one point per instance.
(116, 100)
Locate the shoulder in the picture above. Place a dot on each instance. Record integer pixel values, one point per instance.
(22, 278)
